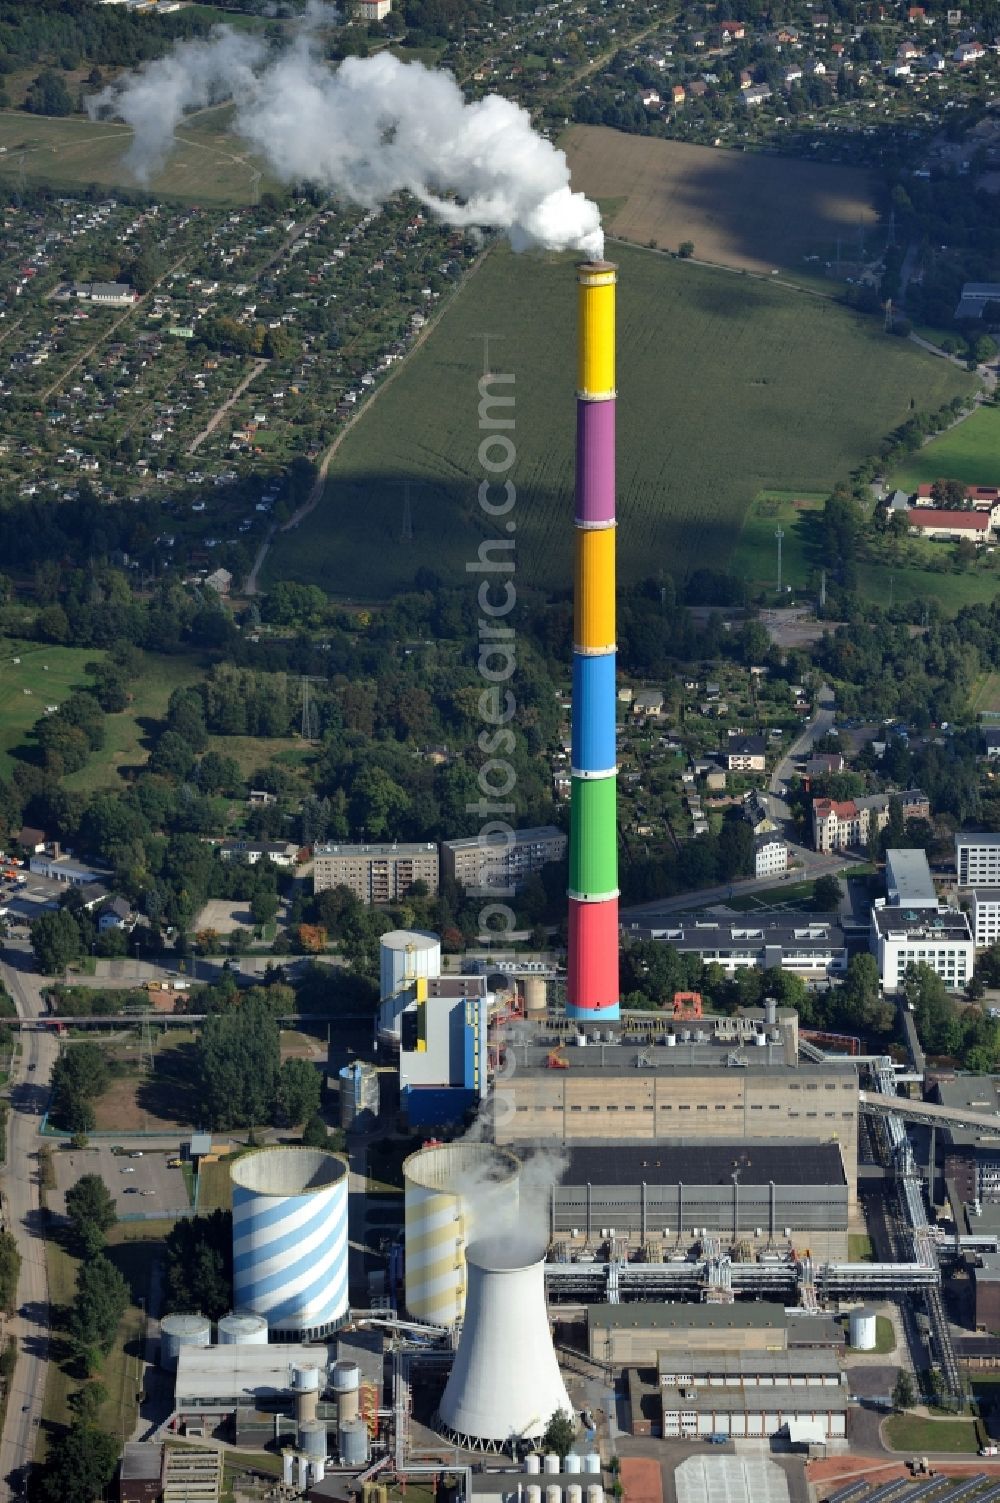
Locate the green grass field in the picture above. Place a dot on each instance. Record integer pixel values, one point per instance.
(127, 742)
(885, 582)
(710, 364)
(206, 165)
(31, 677)
(970, 452)
(985, 697)
(909, 1432)
(755, 557)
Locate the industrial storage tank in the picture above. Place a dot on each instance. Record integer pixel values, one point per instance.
(405, 954)
(533, 1463)
(311, 1436)
(535, 995)
(573, 1462)
(359, 1095)
(453, 1191)
(290, 1239)
(182, 1330)
(352, 1442)
(574, 1493)
(552, 1465)
(505, 1379)
(242, 1330)
(592, 1463)
(863, 1330)
(346, 1384)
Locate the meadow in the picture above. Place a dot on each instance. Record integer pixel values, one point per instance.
(755, 556)
(969, 452)
(33, 676)
(740, 209)
(127, 734)
(728, 385)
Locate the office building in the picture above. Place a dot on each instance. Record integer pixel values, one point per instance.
(941, 939)
(984, 912)
(501, 864)
(812, 946)
(977, 859)
(376, 874)
(908, 880)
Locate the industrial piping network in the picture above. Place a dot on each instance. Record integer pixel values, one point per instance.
(592, 951)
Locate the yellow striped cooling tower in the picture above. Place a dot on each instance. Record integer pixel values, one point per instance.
(450, 1190)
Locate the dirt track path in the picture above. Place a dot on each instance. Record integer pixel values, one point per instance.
(220, 411)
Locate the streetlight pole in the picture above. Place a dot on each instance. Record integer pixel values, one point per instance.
(779, 535)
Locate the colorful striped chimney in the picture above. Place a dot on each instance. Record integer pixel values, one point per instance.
(592, 963)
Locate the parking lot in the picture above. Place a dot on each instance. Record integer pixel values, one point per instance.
(144, 1185)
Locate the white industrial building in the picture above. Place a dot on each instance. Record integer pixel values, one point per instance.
(908, 880)
(753, 1394)
(984, 911)
(977, 859)
(217, 1380)
(939, 938)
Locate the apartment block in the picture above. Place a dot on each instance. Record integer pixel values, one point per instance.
(977, 859)
(376, 873)
(499, 864)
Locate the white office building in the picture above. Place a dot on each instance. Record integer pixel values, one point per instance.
(941, 939)
(977, 859)
(985, 915)
(908, 880)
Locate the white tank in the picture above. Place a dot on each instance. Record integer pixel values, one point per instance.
(182, 1330)
(533, 1463)
(359, 1094)
(552, 1464)
(553, 1493)
(287, 1467)
(595, 1493)
(290, 1239)
(863, 1330)
(671, 1041)
(534, 1493)
(346, 1376)
(451, 1192)
(242, 1330)
(574, 1493)
(352, 1442)
(319, 1468)
(505, 1379)
(312, 1438)
(535, 994)
(592, 1463)
(303, 1466)
(307, 1378)
(572, 1462)
(405, 954)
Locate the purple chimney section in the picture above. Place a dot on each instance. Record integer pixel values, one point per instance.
(595, 464)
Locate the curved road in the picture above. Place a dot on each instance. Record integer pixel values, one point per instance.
(22, 1216)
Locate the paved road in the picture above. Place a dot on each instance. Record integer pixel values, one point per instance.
(22, 1214)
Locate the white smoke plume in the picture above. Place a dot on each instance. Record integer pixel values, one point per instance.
(365, 130)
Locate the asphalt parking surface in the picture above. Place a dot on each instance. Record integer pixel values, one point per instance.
(151, 1187)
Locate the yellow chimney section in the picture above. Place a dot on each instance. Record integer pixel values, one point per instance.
(596, 342)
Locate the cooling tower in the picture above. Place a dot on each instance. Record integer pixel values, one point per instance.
(453, 1192)
(505, 1382)
(592, 958)
(290, 1239)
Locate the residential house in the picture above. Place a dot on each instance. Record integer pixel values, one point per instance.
(650, 99)
(116, 914)
(744, 754)
(792, 75)
(678, 95)
(647, 702)
(820, 21)
(280, 852)
(756, 94)
(374, 10)
(220, 580)
(823, 763)
(935, 522)
(731, 31)
(259, 798)
(770, 856)
(31, 840)
(990, 742)
(916, 15)
(968, 52)
(697, 88)
(843, 824)
(746, 78)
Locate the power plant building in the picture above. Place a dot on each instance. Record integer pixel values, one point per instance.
(377, 874)
(290, 1239)
(592, 989)
(442, 1048)
(503, 864)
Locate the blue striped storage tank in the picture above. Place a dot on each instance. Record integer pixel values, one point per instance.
(290, 1239)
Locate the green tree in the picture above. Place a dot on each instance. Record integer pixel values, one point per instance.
(685, 249)
(315, 1133)
(81, 1463)
(299, 1090)
(199, 1265)
(238, 1060)
(904, 1394)
(10, 1269)
(79, 1075)
(48, 95)
(91, 1211)
(56, 941)
(827, 894)
(263, 906)
(102, 1297)
(560, 1432)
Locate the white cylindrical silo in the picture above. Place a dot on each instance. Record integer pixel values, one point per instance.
(592, 1462)
(553, 1493)
(242, 1330)
(595, 1493)
(572, 1462)
(863, 1330)
(551, 1464)
(182, 1330)
(290, 1239)
(574, 1492)
(303, 1467)
(405, 954)
(287, 1467)
(319, 1469)
(534, 1493)
(352, 1442)
(311, 1436)
(452, 1192)
(505, 1379)
(533, 1463)
(535, 994)
(359, 1095)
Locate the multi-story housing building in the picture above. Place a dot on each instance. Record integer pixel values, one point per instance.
(770, 856)
(840, 824)
(977, 859)
(376, 873)
(939, 938)
(984, 912)
(501, 865)
(744, 754)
